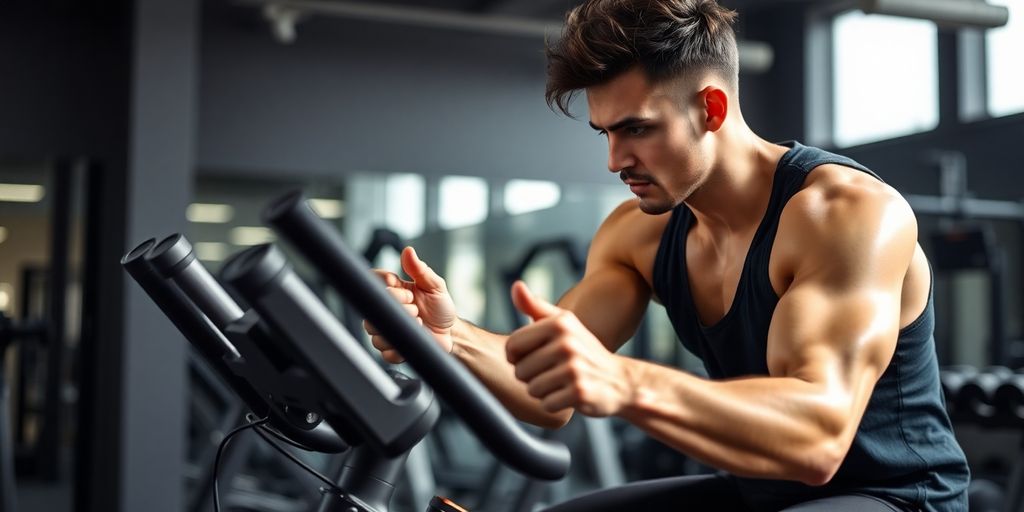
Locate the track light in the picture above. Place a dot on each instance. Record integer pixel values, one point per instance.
(946, 13)
(283, 15)
(282, 19)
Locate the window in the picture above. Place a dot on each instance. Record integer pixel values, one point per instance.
(885, 80)
(523, 196)
(1005, 73)
(463, 201)
(405, 199)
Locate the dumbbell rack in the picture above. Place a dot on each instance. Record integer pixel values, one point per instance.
(993, 398)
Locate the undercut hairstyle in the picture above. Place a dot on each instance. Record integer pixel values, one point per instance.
(666, 38)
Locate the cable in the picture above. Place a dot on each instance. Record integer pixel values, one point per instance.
(281, 437)
(262, 431)
(220, 451)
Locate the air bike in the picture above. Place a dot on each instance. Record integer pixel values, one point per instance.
(307, 380)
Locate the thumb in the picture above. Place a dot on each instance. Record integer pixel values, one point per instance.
(424, 277)
(530, 305)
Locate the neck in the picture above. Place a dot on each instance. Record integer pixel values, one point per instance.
(735, 194)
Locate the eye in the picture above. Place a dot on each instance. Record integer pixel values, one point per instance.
(602, 133)
(636, 131)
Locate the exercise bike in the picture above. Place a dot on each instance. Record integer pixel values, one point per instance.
(306, 380)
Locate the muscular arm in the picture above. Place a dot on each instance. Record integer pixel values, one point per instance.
(609, 300)
(832, 335)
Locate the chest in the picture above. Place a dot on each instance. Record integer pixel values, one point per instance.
(715, 270)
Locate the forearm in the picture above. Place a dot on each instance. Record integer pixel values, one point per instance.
(483, 352)
(770, 427)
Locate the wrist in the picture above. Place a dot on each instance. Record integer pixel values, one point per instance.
(635, 393)
(458, 333)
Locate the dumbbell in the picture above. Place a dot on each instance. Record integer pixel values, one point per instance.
(977, 396)
(953, 379)
(1009, 399)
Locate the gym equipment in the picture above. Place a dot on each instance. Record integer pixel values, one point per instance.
(250, 474)
(963, 245)
(991, 398)
(601, 446)
(304, 375)
(10, 333)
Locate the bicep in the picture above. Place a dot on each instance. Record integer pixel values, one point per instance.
(833, 336)
(837, 325)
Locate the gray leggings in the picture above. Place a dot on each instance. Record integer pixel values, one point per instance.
(704, 492)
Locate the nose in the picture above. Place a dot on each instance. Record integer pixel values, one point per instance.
(619, 155)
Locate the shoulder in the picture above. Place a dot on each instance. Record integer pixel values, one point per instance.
(628, 234)
(842, 213)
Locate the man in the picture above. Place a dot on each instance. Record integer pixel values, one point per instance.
(793, 273)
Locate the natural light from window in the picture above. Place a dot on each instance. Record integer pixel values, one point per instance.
(405, 198)
(522, 196)
(463, 201)
(885, 81)
(1006, 63)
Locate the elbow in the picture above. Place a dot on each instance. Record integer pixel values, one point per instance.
(822, 463)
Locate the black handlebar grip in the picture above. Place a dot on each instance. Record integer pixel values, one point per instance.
(215, 348)
(321, 244)
(174, 258)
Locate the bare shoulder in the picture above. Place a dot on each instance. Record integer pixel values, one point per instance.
(843, 213)
(629, 236)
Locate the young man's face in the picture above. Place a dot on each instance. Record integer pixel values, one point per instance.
(655, 135)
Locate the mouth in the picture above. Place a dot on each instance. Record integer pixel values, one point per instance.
(636, 185)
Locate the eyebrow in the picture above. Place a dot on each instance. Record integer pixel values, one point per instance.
(629, 121)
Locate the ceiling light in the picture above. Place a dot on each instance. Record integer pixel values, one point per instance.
(17, 193)
(251, 235)
(211, 251)
(328, 208)
(209, 213)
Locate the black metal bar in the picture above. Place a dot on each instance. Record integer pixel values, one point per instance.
(174, 254)
(26, 361)
(997, 341)
(966, 207)
(7, 489)
(95, 455)
(49, 443)
(321, 244)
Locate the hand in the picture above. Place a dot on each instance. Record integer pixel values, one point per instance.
(562, 363)
(426, 298)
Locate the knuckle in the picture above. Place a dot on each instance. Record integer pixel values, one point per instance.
(520, 372)
(563, 323)
(580, 393)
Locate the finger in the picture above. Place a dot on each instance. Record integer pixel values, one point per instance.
(402, 295)
(564, 398)
(389, 278)
(412, 309)
(530, 305)
(540, 360)
(369, 328)
(527, 339)
(392, 356)
(380, 343)
(549, 381)
(424, 277)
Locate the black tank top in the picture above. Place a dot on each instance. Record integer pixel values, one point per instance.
(904, 447)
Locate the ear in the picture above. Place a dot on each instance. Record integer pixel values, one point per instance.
(716, 107)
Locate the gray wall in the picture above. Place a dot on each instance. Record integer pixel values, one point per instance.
(114, 82)
(352, 96)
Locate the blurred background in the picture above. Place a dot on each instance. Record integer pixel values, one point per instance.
(424, 123)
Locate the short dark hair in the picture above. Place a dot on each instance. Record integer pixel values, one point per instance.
(667, 38)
